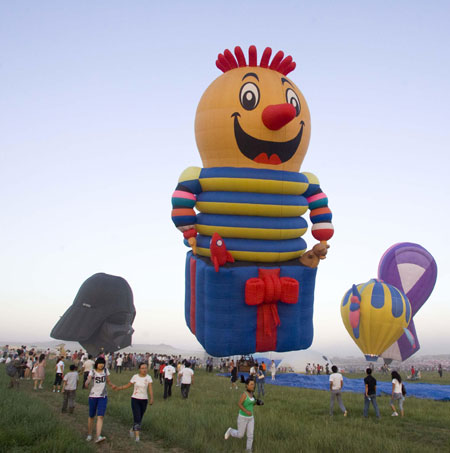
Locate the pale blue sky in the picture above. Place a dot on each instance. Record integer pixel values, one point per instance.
(98, 102)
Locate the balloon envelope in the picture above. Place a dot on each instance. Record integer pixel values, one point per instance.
(101, 315)
(413, 270)
(384, 312)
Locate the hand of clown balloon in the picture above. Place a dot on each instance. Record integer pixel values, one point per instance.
(193, 243)
(321, 250)
(312, 257)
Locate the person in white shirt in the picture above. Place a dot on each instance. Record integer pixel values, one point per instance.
(59, 375)
(119, 362)
(187, 378)
(273, 370)
(397, 393)
(139, 399)
(69, 389)
(336, 384)
(169, 371)
(88, 365)
(98, 399)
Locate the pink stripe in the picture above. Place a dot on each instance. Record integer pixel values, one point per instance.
(181, 194)
(319, 196)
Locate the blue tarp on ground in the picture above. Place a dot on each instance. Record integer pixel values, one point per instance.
(321, 382)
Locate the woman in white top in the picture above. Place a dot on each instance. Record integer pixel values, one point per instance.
(98, 399)
(273, 370)
(397, 394)
(59, 374)
(139, 399)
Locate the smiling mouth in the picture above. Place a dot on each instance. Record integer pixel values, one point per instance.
(263, 151)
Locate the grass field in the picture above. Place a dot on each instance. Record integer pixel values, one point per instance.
(292, 420)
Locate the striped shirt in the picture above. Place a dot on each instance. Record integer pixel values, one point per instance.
(257, 212)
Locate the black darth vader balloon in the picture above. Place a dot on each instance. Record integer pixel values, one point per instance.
(101, 315)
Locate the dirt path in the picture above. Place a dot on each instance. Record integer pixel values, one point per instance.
(117, 435)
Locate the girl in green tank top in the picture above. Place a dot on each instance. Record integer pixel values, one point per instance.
(247, 400)
(245, 421)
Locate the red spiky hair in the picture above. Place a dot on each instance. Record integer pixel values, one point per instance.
(227, 61)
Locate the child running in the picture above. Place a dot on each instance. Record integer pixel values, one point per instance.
(139, 398)
(245, 421)
(98, 399)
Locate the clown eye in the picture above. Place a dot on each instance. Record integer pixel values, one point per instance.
(249, 96)
(292, 98)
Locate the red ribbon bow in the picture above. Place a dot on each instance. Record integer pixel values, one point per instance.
(265, 292)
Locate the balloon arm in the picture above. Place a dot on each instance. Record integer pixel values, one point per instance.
(193, 243)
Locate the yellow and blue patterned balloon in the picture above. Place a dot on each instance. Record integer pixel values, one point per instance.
(375, 315)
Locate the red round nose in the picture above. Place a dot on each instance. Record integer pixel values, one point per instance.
(275, 117)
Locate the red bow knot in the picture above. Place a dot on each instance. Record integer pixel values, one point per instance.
(265, 292)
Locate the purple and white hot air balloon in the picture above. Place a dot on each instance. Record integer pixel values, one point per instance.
(410, 268)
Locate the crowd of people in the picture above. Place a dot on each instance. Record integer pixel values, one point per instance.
(95, 375)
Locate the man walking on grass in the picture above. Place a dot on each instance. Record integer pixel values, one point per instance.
(336, 384)
(370, 395)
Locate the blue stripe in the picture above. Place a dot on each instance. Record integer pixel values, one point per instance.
(253, 198)
(312, 189)
(356, 331)
(377, 299)
(256, 245)
(193, 185)
(321, 218)
(240, 221)
(397, 301)
(346, 297)
(408, 308)
(252, 173)
(184, 220)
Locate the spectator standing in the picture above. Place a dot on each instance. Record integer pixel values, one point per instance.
(169, 371)
(155, 367)
(39, 372)
(88, 366)
(69, 389)
(440, 370)
(119, 362)
(59, 374)
(336, 384)
(370, 393)
(187, 379)
(233, 372)
(273, 370)
(260, 380)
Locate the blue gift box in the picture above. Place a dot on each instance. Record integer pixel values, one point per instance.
(217, 314)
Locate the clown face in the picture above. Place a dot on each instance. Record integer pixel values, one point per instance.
(253, 117)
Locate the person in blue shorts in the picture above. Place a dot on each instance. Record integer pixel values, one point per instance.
(98, 398)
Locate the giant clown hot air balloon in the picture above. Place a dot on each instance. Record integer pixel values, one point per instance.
(375, 315)
(249, 279)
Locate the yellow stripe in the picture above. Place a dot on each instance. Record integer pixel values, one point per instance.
(250, 233)
(253, 185)
(313, 179)
(261, 257)
(190, 174)
(265, 210)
